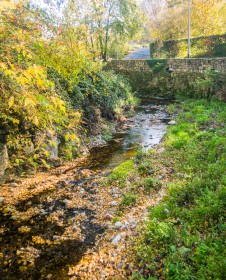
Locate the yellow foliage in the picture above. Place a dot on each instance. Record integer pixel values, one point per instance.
(11, 101)
(207, 18)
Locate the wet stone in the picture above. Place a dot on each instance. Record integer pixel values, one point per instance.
(172, 122)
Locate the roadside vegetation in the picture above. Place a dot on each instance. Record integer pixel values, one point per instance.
(184, 235)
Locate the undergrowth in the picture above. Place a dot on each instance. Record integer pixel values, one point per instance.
(184, 236)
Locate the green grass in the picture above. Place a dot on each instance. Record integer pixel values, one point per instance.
(120, 173)
(107, 137)
(184, 236)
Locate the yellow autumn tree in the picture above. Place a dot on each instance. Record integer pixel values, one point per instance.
(170, 21)
(29, 100)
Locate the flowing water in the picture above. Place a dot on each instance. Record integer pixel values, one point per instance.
(45, 233)
(146, 129)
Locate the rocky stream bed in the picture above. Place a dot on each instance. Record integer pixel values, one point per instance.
(61, 225)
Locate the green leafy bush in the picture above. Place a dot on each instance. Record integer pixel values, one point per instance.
(129, 198)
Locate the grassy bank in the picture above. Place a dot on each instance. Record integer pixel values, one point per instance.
(183, 237)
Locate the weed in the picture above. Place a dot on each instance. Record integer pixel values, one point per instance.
(120, 173)
(107, 137)
(129, 198)
(116, 219)
(144, 168)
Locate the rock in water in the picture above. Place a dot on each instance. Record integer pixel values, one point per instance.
(172, 122)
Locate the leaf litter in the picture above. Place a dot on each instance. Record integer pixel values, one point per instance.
(61, 225)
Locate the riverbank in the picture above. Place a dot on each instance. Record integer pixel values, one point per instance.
(184, 235)
(50, 221)
(159, 215)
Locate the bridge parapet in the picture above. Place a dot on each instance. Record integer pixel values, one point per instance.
(195, 65)
(165, 77)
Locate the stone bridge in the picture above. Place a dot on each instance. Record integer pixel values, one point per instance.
(165, 77)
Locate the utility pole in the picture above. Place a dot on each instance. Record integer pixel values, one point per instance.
(189, 28)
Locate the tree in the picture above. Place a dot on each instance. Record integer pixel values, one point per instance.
(103, 21)
(168, 18)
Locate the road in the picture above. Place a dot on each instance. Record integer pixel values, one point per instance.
(142, 53)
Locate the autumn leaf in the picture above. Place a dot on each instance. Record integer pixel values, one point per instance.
(36, 121)
(11, 101)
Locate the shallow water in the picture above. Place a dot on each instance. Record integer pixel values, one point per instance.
(146, 129)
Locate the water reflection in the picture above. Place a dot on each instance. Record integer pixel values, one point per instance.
(146, 129)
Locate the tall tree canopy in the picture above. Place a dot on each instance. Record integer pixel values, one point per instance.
(103, 24)
(168, 19)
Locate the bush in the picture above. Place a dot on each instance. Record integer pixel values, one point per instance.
(129, 198)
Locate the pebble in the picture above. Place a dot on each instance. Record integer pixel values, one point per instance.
(49, 276)
(115, 191)
(127, 189)
(120, 266)
(2, 200)
(108, 217)
(106, 225)
(43, 212)
(65, 201)
(115, 195)
(172, 122)
(114, 203)
(81, 191)
(13, 185)
(118, 224)
(116, 240)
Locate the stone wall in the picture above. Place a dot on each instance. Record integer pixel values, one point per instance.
(164, 77)
(196, 65)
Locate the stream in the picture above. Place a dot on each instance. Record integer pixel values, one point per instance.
(46, 231)
(145, 129)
